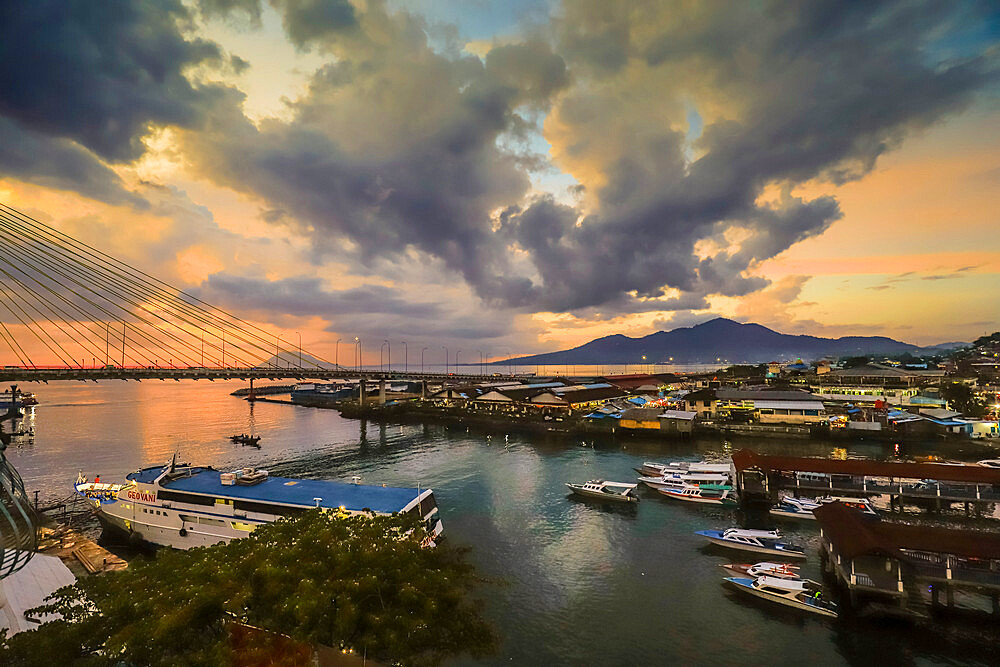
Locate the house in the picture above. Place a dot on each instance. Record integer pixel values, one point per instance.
(641, 418)
(702, 401)
(577, 397)
(677, 421)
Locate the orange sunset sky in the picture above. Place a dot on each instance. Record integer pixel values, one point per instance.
(523, 177)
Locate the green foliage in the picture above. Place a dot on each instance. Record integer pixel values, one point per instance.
(984, 341)
(962, 398)
(347, 582)
(855, 362)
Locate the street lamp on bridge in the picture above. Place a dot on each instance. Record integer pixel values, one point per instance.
(300, 348)
(357, 354)
(406, 358)
(336, 354)
(445, 348)
(457, 355)
(422, 350)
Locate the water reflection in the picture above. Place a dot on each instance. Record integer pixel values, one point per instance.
(585, 582)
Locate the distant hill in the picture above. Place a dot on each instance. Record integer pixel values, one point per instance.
(719, 339)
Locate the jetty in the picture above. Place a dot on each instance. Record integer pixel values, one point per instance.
(936, 486)
(885, 561)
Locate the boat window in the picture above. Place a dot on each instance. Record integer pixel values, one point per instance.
(188, 518)
(265, 508)
(209, 521)
(185, 498)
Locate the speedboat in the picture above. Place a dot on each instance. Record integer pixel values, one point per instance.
(677, 480)
(183, 506)
(758, 541)
(651, 469)
(596, 488)
(863, 505)
(799, 594)
(706, 493)
(779, 570)
(795, 508)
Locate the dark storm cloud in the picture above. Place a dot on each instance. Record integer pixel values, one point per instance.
(84, 81)
(395, 147)
(307, 296)
(59, 163)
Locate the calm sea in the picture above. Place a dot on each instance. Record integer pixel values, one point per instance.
(585, 584)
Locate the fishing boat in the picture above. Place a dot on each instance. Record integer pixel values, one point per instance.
(791, 507)
(651, 469)
(779, 570)
(596, 488)
(798, 594)
(710, 494)
(183, 506)
(758, 541)
(19, 399)
(246, 440)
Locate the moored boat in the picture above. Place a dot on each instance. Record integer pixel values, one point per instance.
(863, 505)
(757, 541)
(652, 469)
(18, 399)
(779, 570)
(989, 463)
(184, 506)
(616, 491)
(795, 508)
(677, 480)
(798, 594)
(710, 494)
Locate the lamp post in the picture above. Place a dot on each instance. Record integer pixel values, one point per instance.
(457, 355)
(422, 350)
(406, 358)
(357, 353)
(445, 348)
(336, 354)
(388, 356)
(482, 361)
(381, 347)
(300, 349)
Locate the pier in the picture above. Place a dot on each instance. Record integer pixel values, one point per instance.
(927, 485)
(885, 561)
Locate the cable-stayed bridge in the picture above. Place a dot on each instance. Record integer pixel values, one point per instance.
(101, 318)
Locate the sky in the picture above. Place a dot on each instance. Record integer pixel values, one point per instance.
(522, 176)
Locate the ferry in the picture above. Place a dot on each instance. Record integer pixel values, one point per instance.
(184, 506)
(758, 541)
(799, 594)
(596, 488)
(709, 494)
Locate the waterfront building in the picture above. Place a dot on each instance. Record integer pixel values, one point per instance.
(578, 397)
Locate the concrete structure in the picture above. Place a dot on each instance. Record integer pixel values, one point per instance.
(28, 588)
(677, 421)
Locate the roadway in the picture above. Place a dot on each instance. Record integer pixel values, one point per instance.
(20, 374)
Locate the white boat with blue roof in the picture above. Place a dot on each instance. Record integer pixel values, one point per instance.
(800, 594)
(184, 506)
(757, 541)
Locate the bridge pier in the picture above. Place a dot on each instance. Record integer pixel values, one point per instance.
(423, 389)
(362, 391)
(381, 391)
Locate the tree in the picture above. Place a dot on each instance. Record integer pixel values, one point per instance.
(351, 582)
(962, 398)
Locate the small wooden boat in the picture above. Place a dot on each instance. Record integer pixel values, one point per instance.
(596, 488)
(246, 440)
(798, 594)
(709, 494)
(757, 541)
(779, 570)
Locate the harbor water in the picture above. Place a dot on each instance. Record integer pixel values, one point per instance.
(580, 582)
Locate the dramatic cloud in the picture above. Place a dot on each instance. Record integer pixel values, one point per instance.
(83, 82)
(395, 146)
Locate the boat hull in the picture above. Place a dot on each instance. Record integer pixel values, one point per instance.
(786, 514)
(792, 555)
(599, 495)
(724, 502)
(746, 585)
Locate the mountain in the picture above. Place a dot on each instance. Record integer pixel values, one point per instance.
(718, 339)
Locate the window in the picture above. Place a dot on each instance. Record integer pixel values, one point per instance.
(209, 521)
(238, 525)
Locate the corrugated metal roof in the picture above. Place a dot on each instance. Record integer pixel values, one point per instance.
(789, 405)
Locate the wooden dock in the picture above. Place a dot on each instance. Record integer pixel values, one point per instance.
(81, 555)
